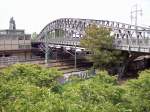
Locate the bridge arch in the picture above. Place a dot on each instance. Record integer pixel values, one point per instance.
(126, 35)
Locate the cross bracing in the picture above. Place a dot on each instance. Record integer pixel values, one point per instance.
(69, 31)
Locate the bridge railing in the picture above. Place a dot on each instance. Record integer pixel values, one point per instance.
(127, 44)
(134, 44)
(65, 41)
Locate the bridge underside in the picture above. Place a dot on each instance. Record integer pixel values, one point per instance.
(134, 60)
(66, 33)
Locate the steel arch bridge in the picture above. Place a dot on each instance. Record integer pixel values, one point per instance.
(69, 31)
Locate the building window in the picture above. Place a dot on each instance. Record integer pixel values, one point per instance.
(24, 46)
(21, 38)
(27, 38)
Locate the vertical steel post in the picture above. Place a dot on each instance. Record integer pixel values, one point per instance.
(75, 59)
(46, 49)
(136, 11)
(75, 56)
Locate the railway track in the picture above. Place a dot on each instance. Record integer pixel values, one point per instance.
(65, 65)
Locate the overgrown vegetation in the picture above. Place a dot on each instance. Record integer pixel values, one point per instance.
(31, 88)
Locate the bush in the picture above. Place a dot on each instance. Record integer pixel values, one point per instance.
(31, 88)
(138, 92)
(26, 87)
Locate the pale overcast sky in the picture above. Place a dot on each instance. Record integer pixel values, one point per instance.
(33, 15)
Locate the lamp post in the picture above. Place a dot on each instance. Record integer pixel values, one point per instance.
(75, 59)
(75, 54)
(46, 49)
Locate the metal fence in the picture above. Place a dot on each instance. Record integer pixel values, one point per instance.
(6, 61)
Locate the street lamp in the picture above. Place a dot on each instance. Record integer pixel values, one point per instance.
(75, 59)
(46, 49)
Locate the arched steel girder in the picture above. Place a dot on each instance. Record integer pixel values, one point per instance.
(73, 25)
(126, 35)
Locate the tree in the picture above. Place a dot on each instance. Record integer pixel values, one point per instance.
(100, 42)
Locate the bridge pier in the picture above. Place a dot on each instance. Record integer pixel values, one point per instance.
(128, 58)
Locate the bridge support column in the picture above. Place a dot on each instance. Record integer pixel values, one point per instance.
(129, 57)
(75, 59)
(46, 49)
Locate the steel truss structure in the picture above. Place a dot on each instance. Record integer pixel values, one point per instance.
(69, 31)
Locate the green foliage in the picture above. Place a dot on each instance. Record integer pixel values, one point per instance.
(26, 88)
(103, 94)
(103, 76)
(100, 42)
(99, 94)
(138, 92)
(32, 74)
(31, 88)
